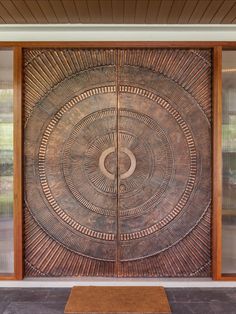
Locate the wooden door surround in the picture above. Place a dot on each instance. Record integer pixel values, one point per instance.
(216, 48)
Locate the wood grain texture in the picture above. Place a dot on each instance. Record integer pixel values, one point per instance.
(4, 277)
(217, 169)
(72, 217)
(129, 11)
(164, 11)
(175, 12)
(152, 11)
(227, 277)
(94, 10)
(17, 169)
(106, 11)
(71, 11)
(217, 164)
(187, 11)
(83, 11)
(225, 8)
(199, 11)
(18, 164)
(230, 16)
(25, 11)
(13, 11)
(58, 8)
(48, 11)
(118, 11)
(6, 17)
(141, 6)
(36, 11)
(211, 10)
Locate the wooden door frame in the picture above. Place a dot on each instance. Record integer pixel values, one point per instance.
(17, 165)
(216, 47)
(217, 165)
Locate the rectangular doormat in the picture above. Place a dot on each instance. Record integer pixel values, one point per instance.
(117, 300)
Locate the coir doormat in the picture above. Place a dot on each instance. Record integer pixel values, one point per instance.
(94, 300)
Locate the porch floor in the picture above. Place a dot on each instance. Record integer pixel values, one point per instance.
(53, 300)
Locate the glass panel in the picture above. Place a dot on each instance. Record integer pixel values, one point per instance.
(6, 163)
(229, 163)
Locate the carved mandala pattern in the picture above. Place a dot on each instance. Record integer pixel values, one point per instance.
(130, 160)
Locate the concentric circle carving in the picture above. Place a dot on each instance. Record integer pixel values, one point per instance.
(138, 163)
(93, 157)
(192, 165)
(100, 161)
(125, 154)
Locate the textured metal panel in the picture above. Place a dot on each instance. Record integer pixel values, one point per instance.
(165, 107)
(118, 162)
(70, 119)
(164, 207)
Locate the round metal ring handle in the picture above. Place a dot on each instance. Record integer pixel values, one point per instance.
(110, 150)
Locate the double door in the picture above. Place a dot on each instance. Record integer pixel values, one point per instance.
(117, 162)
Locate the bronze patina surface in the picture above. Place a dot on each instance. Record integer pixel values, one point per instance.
(117, 162)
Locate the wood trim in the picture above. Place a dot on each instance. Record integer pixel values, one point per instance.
(7, 277)
(223, 276)
(217, 164)
(228, 277)
(217, 168)
(18, 180)
(119, 44)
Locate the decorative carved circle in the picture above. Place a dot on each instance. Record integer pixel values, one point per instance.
(157, 164)
(108, 162)
(133, 162)
(90, 165)
(105, 169)
(134, 171)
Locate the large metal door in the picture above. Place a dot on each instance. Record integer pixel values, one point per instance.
(117, 162)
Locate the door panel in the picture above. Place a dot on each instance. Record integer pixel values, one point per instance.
(71, 203)
(117, 162)
(164, 206)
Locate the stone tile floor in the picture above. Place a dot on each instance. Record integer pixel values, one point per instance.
(182, 300)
